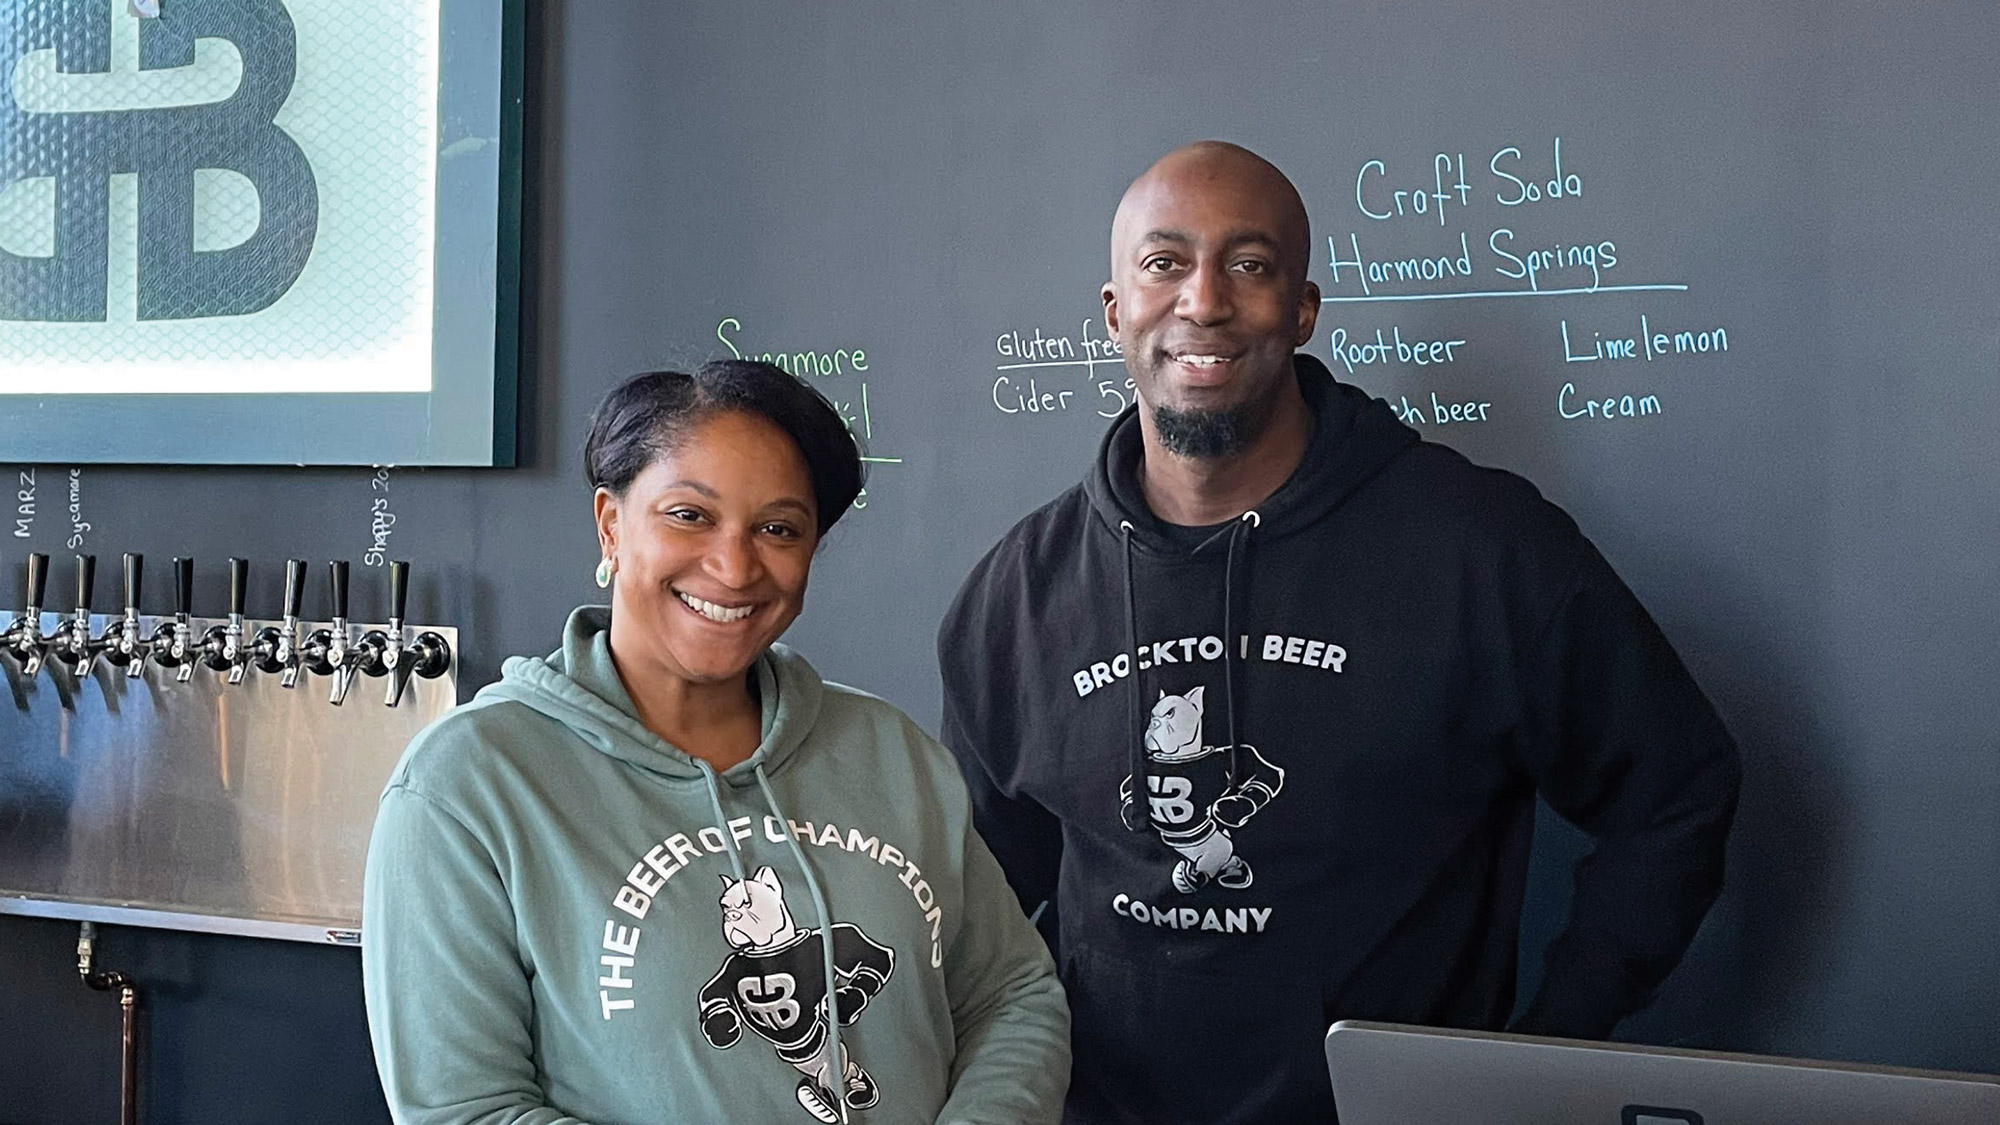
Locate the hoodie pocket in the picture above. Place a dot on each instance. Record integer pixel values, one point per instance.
(1158, 1043)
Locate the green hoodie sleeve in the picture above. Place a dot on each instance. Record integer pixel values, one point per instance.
(448, 999)
(1007, 1007)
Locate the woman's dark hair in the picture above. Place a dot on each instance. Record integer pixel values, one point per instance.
(647, 415)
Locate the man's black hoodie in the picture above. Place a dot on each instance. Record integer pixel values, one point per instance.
(1282, 771)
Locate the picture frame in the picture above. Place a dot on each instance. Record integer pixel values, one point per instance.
(254, 232)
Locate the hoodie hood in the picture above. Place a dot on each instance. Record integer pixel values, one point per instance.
(1354, 438)
(578, 686)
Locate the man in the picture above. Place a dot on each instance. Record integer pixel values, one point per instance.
(1260, 708)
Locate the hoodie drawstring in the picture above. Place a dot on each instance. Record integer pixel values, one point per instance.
(722, 821)
(1138, 815)
(837, 1068)
(1231, 645)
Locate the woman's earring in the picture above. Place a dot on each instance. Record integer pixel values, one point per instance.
(604, 572)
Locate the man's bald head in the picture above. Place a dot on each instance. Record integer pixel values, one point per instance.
(1226, 174)
(1209, 297)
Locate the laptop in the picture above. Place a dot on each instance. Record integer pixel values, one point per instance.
(1388, 1074)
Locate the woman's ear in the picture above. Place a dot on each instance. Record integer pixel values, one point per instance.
(605, 510)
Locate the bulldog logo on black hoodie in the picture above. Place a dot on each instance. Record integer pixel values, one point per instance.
(1194, 799)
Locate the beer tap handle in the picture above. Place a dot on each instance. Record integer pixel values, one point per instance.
(135, 570)
(276, 648)
(229, 653)
(38, 581)
(183, 586)
(399, 588)
(78, 647)
(295, 586)
(130, 650)
(337, 572)
(340, 660)
(215, 648)
(287, 652)
(183, 647)
(29, 645)
(393, 657)
(86, 581)
(316, 648)
(239, 585)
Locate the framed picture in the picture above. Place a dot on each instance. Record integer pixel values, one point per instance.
(260, 231)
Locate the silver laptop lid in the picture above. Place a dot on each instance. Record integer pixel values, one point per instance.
(1387, 1074)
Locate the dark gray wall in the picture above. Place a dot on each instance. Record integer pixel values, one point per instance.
(1811, 516)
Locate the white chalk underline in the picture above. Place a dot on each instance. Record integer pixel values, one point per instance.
(1506, 293)
(1057, 363)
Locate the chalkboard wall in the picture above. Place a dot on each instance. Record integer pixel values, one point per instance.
(1747, 332)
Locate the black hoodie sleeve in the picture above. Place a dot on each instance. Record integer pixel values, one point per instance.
(1623, 744)
(982, 731)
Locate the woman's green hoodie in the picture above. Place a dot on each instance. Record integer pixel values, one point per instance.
(569, 920)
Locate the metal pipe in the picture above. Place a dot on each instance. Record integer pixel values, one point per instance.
(128, 1067)
(128, 1007)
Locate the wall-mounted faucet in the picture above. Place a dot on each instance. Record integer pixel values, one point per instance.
(174, 643)
(23, 639)
(72, 643)
(327, 650)
(236, 645)
(276, 648)
(222, 647)
(429, 655)
(121, 644)
(375, 653)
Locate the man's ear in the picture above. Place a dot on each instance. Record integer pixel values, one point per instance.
(1308, 315)
(1110, 295)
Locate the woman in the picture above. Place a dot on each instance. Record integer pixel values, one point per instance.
(667, 874)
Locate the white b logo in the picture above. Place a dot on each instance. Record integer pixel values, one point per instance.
(1171, 805)
(768, 1000)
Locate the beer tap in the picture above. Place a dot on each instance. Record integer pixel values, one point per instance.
(72, 644)
(277, 648)
(174, 642)
(121, 644)
(222, 647)
(427, 656)
(327, 652)
(375, 653)
(24, 637)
